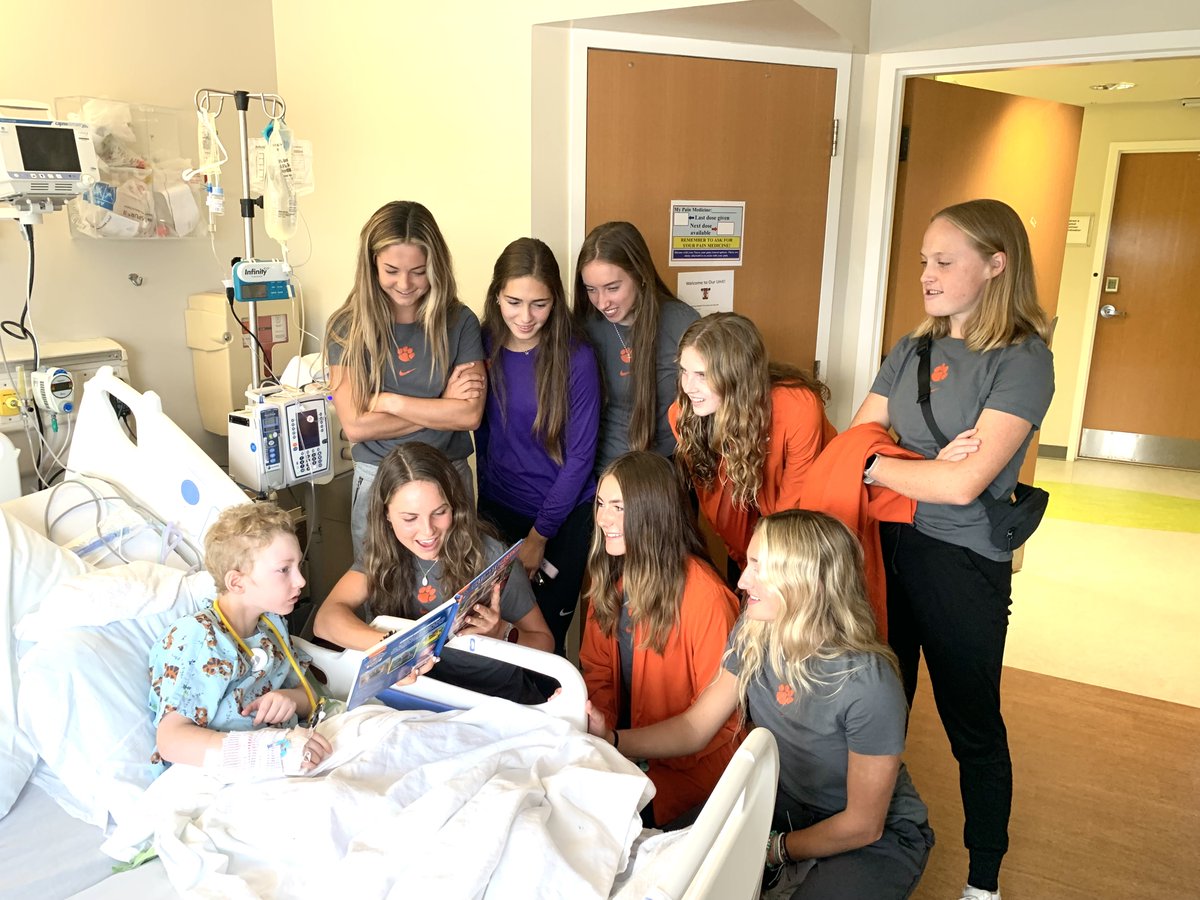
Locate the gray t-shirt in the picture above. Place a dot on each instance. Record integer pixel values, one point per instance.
(1018, 379)
(409, 374)
(485, 675)
(613, 343)
(863, 711)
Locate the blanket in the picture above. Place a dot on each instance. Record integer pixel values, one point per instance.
(495, 801)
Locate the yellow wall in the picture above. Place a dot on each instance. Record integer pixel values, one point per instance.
(144, 52)
(1102, 126)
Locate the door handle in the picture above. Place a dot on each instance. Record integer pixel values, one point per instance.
(1108, 311)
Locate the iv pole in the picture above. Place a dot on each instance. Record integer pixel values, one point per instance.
(241, 100)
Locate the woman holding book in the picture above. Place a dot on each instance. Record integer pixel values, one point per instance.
(658, 622)
(805, 663)
(536, 445)
(748, 428)
(424, 543)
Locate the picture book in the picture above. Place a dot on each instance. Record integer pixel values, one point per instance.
(397, 655)
(480, 588)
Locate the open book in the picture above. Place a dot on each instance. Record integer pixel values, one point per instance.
(401, 652)
(479, 589)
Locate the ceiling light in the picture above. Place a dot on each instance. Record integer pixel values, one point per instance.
(1114, 86)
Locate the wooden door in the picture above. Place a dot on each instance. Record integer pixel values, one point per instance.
(1143, 370)
(663, 128)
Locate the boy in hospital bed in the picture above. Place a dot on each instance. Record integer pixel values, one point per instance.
(226, 686)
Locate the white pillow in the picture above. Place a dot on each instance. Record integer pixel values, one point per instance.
(85, 690)
(29, 566)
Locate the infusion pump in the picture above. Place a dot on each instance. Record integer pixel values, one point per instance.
(281, 440)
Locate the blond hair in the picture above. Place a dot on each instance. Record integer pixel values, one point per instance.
(239, 534)
(738, 371)
(814, 566)
(1008, 312)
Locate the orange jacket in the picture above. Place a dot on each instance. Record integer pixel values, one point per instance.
(798, 433)
(667, 684)
(835, 486)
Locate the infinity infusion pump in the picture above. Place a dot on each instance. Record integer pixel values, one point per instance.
(45, 159)
(283, 440)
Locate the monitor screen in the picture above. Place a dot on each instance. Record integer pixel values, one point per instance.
(48, 149)
(309, 428)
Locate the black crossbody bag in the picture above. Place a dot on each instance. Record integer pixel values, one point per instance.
(1013, 519)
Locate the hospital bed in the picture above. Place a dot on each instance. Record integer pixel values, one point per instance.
(82, 633)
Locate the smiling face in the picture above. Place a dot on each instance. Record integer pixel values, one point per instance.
(954, 273)
(401, 270)
(611, 290)
(763, 602)
(693, 381)
(610, 515)
(420, 517)
(525, 306)
(274, 582)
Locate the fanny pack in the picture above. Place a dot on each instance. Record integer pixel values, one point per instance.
(1013, 518)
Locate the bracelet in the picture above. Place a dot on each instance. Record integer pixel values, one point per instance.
(777, 851)
(616, 739)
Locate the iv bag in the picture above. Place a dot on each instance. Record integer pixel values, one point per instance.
(279, 199)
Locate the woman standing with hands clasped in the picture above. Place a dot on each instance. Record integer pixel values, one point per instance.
(536, 445)
(804, 663)
(748, 428)
(990, 377)
(635, 323)
(405, 356)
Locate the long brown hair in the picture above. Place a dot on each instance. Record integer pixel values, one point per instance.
(738, 371)
(660, 538)
(1008, 312)
(390, 565)
(622, 245)
(362, 325)
(529, 257)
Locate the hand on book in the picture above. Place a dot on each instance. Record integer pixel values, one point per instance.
(485, 618)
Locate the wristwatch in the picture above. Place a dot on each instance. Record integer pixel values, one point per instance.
(870, 464)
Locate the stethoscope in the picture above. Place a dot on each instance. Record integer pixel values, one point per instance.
(258, 656)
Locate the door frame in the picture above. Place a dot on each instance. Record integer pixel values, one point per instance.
(565, 110)
(870, 246)
(1095, 291)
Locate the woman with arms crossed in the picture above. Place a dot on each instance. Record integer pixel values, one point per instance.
(404, 354)
(948, 586)
(748, 428)
(657, 625)
(536, 445)
(635, 323)
(804, 662)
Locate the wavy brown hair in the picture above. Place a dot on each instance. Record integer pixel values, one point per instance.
(390, 566)
(738, 371)
(362, 325)
(529, 257)
(1008, 311)
(621, 244)
(814, 564)
(660, 538)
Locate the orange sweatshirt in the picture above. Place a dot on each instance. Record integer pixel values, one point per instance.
(835, 486)
(799, 431)
(667, 684)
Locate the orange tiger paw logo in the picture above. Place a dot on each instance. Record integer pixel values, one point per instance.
(940, 373)
(784, 695)
(626, 355)
(427, 594)
(405, 353)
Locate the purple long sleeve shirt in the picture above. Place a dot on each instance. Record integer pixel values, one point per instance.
(513, 467)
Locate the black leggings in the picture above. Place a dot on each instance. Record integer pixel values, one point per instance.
(952, 604)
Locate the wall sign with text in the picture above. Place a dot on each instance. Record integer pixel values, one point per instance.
(704, 232)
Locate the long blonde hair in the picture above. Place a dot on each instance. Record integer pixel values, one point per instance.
(362, 325)
(622, 245)
(814, 565)
(529, 257)
(660, 539)
(390, 566)
(1008, 311)
(738, 371)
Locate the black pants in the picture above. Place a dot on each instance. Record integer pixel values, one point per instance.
(953, 604)
(557, 597)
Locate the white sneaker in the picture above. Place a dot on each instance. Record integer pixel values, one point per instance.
(974, 893)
